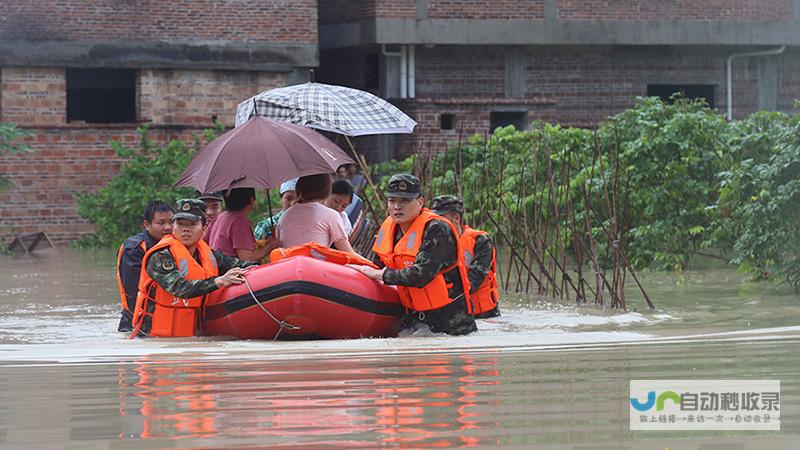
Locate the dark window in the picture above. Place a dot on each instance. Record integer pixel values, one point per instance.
(372, 76)
(101, 95)
(665, 91)
(446, 121)
(505, 118)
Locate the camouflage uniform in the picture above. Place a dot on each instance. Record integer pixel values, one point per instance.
(162, 269)
(438, 250)
(161, 265)
(479, 264)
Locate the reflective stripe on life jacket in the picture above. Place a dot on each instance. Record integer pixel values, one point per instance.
(318, 251)
(486, 296)
(435, 294)
(171, 316)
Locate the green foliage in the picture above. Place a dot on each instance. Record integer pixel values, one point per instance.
(758, 217)
(147, 174)
(669, 155)
(663, 179)
(9, 143)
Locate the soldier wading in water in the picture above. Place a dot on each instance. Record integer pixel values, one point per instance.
(422, 257)
(178, 273)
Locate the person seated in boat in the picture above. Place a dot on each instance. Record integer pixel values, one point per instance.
(422, 257)
(157, 222)
(232, 234)
(213, 201)
(339, 200)
(266, 227)
(479, 257)
(179, 271)
(308, 220)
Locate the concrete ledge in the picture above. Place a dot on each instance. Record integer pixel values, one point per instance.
(557, 32)
(279, 57)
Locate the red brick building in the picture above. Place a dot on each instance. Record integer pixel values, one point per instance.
(80, 73)
(469, 65)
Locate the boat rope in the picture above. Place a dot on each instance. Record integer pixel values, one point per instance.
(282, 324)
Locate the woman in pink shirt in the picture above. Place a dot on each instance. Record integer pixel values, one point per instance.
(232, 233)
(308, 220)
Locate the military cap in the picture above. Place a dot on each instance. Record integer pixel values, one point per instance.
(190, 209)
(404, 185)
(447, 203)
(208, 195)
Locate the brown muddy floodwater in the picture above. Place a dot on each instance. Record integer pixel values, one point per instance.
(540, 376)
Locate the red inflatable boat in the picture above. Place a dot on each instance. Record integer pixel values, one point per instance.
(303, 297)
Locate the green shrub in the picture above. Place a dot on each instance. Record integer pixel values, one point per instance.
(758, 213)
(147, 174)
(9, 143)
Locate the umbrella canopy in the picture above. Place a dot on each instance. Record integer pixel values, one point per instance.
(327, 107)
(262, 153)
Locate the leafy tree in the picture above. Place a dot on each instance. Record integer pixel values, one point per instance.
(147, 174)
(668, 155)
(758, 213)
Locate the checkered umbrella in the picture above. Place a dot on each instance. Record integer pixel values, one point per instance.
(327, 107)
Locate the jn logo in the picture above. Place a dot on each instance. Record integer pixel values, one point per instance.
(659, 403)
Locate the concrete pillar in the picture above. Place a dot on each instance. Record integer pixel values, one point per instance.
(516, 62)
(768, 83)
(390, 77)
(551, 10)
(422, 9)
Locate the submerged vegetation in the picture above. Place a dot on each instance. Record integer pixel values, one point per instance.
(651, 187)
(576, 212)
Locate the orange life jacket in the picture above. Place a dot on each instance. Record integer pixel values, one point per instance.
(171, 316)
(435, 294)
(318, 251)
(125, 306)
(485, 297)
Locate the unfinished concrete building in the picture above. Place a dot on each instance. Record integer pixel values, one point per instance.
(464, 66)
(78, 74)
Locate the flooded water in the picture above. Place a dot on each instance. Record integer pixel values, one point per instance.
(540, 376)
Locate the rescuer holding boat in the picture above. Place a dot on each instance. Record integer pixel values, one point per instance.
(422, 257)
(178, 273)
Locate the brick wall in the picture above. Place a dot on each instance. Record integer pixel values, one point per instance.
(191, 97)
(478, 9)
(74, 157)
(336, 11)
(718, 10)
(572, 86)
(65, 161)
(446, 71)
(470, 116)
(589, 84)
(33, 95)
(196, 20)
(396, 9)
